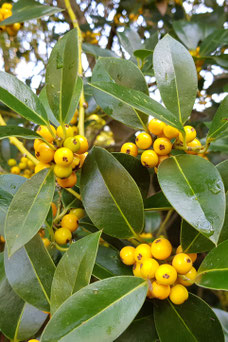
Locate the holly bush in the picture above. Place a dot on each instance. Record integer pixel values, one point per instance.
(98, 240)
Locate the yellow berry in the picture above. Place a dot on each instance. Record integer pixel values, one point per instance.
(146, 235)
(79, 212)
(161, 249)
(178, 294)
(82, 158)
(72, 143)
(143, 140)
(15, 170)
(149, 158)
(2, 240)
(190, 134)
(136, 269)
(84, 146)
(170, 132)
(46, 242)
(160, 291)
(162, 146)
(7, 6)
(11, 162)
(129, 148)
(22, 166)
(149, 267)
(68, 132)
(62, 171)
(182, 263)
(142, 252)
(9, 29)
(166, 274)
(16, 27)
(127, 255)
(54, 209)
(6, 13)
(68, 182)
(70, 222)
(44, 153)
(74, 118)
(27, 172)
(63, 156)
(40, 166)
(63, 236)
(24, 160)
(75, 130)
(45, 133)
(31, 165)
(156, 126)
(189, 278)
(193, 256)
(194, 143)
(37, 143)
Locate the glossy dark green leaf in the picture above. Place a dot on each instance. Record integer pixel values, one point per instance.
(141, 330)
(142, 54)
(103, 179)
(193, 241)
(176, 77)
(20, 98)
(157, 202)
(98, 312)
(63, 85)
(25, 10)
(124, 73)
(223, 318)
(70, 201)
(152, 221)
(220, 60)
(43, 98)
(17, 131)
(28, 209)
(216, 39)
(189, 32)
(97, 51)
(224, 233)
(220, 121)
(191, 321)
(130, 41)
(219, 145)
(108, 264)
(74, 269)
(194, 188)
(30, 272)
(213, 272)
(137, 171)
(223, 170)
(137, 100)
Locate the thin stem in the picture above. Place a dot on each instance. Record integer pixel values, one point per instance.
(62, 249)
(80, 69)
(58, 217)
(162, 227)
(74, 193)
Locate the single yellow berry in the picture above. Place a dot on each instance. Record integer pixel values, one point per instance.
(31, 165)
(63, 156)
(127, 255)
(194, 143)
(79, 212)
(40, 166)
(189, 278)
(7, 6)
(62, 171)
(15, 170)
(34, 340)
(193, 256)
(24, 160)
(149, 267)
(68, 182)
(74, 119)
(16, 27)
(54, 209)
(72, 143)
(22, 166)
(84, 146)
(68, 132)
(45, 133)
(161, 249)
(75, 130)
(37, 143)
(27, 172)
(129, 148)
(70, 222)
(44, 153)
(170, 132)
(156, 126)
(2, 240)
(162, 146)
(143, 140)
(46, 242)
(166, 274)
(178, 294)
(63, 236)
(190, 134)
(160, 291)
(136, 269)
(82, 158)
(76, 163)
(11, 162)
(149, 158)
(142, 252)
(182, 263)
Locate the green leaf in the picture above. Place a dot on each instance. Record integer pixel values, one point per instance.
(43, 98)
(194, 188)
(124, 73)
(130, 41)
(74, 269)
(193, 241)
(103, 179)
(142, 54)
(216, 39)
(62, 83)
(219, 145)
(220, 60)
(224, 232)
(191, 321)
(108, 264)
(20, 98)
(98, 312)
(25, 10)
(28, 209)
(189, 32)
(137, 100)
(223, 170)
(220, 121)
(17, 131)
(152, 221)
(137, 171)
(213, 272)
(223, 318)
(157, 202)
(176, 77)
(97, 51)
(30, 272)
(142, 329)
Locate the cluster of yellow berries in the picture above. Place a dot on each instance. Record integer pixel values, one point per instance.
(167, 279)
(62, 149)
(162, 144)
(6, 12)
(24, 168)
(91, 37)
(198, 62)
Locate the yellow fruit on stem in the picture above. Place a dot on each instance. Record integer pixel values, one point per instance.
(178, 294)
(166, 274)
(182, 263)
(143, 140)
(127, 255)
(129, 148)
(161, 249)
(142, 252)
